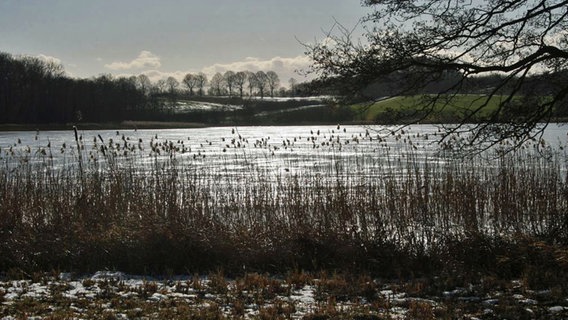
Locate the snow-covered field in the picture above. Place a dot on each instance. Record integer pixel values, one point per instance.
(283, 99)
(185, 106)
(115, 295)
(311, 106)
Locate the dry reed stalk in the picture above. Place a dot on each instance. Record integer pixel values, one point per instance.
(182, 218)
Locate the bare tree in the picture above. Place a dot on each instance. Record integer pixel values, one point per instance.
(273, 81)
(292, 83)
(251, 78)
(144, 84)
(217, 83)
(172, 85)
(190, 82)
(240, 80)
(160, 86)
(519, 41)
(201, 81)
(229, 80)
(53, 69)
(261, 82)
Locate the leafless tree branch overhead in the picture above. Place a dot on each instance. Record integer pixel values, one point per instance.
(521, 43)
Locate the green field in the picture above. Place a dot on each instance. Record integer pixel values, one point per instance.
(429, 108)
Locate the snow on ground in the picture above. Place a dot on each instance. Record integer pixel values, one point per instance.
(265, 113)
(185, 106)
(282, 99)
(121, 296)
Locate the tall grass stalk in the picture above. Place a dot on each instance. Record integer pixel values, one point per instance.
(402, 215)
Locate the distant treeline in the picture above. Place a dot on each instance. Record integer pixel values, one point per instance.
(36, 91)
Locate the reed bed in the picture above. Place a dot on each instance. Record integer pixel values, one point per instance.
(160, 208)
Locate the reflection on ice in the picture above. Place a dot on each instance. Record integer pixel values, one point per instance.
(224, 153)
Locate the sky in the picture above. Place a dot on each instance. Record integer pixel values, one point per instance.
(171, 37)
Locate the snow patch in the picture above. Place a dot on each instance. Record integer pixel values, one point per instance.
(109, 275)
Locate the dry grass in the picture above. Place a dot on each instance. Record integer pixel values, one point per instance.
(333, 296)
(452, 218)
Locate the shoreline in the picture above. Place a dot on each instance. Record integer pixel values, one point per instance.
(101, 126)
(150, 125)
(129, 124)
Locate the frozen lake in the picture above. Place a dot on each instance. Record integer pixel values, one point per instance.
(271, 151)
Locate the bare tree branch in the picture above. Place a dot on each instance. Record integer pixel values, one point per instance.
(415, 43)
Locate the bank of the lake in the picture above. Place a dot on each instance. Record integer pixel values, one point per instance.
(101, 126)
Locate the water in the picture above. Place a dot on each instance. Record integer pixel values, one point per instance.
(269, 151)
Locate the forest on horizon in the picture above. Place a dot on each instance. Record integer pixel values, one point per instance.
(34, 91)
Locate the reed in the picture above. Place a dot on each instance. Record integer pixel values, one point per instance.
(163, 208)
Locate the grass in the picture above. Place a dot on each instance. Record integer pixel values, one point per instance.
(445, 109)
(460, 220)
(298, 295)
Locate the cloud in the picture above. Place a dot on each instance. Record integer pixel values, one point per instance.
(155, 75)
(145, 59)
(50, 59)
(558, 39)
(286, 68)
(288, 65)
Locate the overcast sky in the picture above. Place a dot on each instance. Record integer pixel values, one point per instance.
(170, 37)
